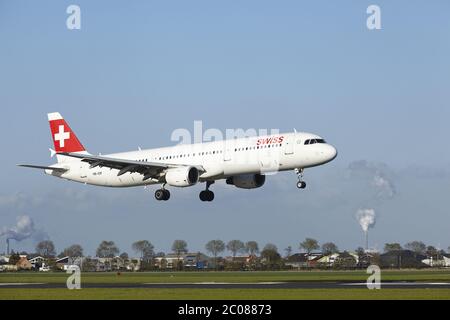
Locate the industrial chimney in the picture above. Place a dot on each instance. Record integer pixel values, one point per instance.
(367, 240)
(7, 246)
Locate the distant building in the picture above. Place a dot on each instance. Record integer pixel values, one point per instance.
(23, 263)
(9, 267)
(109, 264)
(196, 260)
(329, 260)
(243, 259)
(133, 265)
(37, 262)
(170, 261)
(246, 262)
(297, 260)
(368, 258)
(342, 260)
(346, 260)
(4, 259)
(444, 262)
(63, 263)
(402, 259)
(303, 260)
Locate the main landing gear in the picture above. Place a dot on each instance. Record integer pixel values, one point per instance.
(207, 195)
(162, 194)
(300, 184)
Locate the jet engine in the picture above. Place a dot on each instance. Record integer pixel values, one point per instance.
(247, 181)
(182, 176)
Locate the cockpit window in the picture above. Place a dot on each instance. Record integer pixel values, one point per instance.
(314, 141)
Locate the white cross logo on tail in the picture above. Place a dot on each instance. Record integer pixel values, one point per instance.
(62, 136)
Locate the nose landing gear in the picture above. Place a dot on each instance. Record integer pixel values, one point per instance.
(207, 195)
(300, 184)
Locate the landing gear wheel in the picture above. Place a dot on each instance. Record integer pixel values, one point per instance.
(301, 184)
(159, 194)
(162, 195)
(166, 195)
(207, 196)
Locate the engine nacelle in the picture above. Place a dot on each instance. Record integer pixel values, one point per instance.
(182, 176)
(247, 181)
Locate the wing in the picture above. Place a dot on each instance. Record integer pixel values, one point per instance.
(147, 169)
(43, 167)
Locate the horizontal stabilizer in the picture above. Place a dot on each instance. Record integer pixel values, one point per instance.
(43, 167)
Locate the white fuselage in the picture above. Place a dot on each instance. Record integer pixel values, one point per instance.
(220, 159)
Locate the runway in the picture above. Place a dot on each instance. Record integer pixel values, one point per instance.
(223, 285)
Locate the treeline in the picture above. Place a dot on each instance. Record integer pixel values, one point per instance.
(146, 250)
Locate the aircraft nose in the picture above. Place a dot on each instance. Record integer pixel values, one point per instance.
(331, 152)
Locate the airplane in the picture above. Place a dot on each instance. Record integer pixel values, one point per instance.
(242, 162)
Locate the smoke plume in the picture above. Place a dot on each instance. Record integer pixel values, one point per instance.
(366, 218)
(23, 229)
(376, 175)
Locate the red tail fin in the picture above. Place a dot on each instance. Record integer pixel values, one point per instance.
(63, 137)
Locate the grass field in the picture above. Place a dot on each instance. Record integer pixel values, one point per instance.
(230, 277)
(225, 294)
(233, 277)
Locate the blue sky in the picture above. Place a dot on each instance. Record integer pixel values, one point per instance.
(137, 71)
